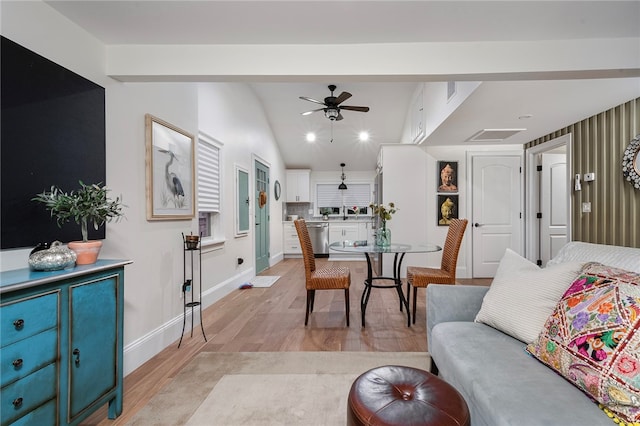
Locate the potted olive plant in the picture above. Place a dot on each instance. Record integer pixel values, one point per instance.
(89, 204)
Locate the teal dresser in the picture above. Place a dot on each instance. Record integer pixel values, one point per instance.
(61, 343)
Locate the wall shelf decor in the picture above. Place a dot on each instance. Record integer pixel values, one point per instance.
(191, 251)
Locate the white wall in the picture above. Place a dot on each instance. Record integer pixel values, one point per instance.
(404, 171)
(228, 112)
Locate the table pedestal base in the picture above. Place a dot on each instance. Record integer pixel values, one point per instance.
(397, 284)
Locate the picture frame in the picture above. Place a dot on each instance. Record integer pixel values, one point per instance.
(447, 208)
(447, 178)
(242, 201)
(170, 171)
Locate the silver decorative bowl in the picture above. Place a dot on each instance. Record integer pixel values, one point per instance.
(52, 259)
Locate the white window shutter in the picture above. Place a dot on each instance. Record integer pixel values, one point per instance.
(357, 194)
(208, 177)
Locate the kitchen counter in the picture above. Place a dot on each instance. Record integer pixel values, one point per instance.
(337, 230)
(350, 220)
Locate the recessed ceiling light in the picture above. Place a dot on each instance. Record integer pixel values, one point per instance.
(363, 136)
(311, 137)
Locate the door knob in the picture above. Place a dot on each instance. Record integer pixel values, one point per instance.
(477, 225)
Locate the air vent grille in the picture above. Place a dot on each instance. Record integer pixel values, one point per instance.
(492, 135)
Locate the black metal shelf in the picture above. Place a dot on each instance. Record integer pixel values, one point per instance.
(189, 250)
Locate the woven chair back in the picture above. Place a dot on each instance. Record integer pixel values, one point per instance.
(307, 247)
(452, 245)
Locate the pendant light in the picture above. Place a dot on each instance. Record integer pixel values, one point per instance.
(342, 186)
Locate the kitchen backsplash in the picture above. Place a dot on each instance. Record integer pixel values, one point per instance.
(301, 210)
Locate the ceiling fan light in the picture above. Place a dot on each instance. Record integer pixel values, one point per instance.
(331, 113)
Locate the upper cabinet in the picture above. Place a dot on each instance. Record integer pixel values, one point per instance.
(417, 116)
(298, 186)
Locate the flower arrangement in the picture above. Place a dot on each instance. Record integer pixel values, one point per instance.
(383, 212)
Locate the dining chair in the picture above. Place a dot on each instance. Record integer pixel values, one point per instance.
(421, 277)
(338, 278)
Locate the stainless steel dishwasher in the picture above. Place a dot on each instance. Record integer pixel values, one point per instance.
(319, 235)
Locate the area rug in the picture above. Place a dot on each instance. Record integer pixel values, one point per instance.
(264, 280)
(266, 388)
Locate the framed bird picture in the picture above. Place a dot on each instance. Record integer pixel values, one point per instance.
(170, 171)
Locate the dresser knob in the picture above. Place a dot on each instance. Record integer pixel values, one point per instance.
(17, 403)
(17, 363)
(19, 323)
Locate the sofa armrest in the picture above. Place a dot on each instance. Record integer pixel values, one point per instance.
(447, 302)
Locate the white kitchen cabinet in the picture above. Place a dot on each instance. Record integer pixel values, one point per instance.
(298, 182)
(291, 243)
(343, 231)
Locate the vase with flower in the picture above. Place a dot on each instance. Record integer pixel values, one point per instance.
(383, 234)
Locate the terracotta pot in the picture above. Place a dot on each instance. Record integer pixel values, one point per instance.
(87, 252)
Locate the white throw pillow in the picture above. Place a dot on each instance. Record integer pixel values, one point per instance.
(522, 295)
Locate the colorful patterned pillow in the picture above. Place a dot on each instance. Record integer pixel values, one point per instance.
(591, 338)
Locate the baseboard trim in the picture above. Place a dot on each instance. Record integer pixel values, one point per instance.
(146, 347)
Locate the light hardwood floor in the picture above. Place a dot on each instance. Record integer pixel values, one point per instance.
(272, 319)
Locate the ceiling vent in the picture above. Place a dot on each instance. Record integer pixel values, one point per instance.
(493, 135)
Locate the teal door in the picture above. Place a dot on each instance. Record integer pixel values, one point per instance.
(93, 342)
(262, 216)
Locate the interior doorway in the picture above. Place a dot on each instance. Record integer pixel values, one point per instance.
(496, 209)
(548, 199)
(262, 217)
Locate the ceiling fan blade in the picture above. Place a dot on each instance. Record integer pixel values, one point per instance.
(343, 97)
(355, 108)
(312, 111)
(312, 100)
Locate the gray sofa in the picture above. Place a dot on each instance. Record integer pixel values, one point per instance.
(501, 382)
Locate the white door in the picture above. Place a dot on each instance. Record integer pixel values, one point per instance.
(496, 222)
(553, 205)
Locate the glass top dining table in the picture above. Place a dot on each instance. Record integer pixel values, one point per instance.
(399, 250)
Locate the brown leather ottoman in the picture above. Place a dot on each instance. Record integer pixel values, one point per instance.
(397, 395)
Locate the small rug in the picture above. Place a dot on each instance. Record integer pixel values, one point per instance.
(276, 399)
(266, 388)
(264, 280)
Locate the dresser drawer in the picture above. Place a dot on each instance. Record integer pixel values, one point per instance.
(43, 415)
(28, 393)
(27, 317)
(26, 356)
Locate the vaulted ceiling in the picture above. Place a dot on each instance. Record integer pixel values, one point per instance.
(508, 46)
